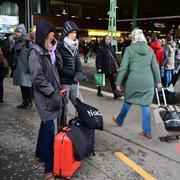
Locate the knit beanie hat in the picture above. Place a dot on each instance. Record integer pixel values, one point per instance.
(21, 28)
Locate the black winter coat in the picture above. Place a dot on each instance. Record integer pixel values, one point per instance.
(71, 64)
(104, 59)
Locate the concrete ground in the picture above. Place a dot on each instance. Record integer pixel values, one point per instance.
(19, 128)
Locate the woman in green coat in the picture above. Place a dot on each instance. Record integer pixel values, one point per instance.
(138, 73)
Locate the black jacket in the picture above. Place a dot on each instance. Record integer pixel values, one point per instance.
(71, 64)
(104, 59)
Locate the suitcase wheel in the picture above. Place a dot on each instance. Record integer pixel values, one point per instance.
(164, 139)
(65, 178)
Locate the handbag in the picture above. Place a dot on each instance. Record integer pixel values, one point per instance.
(99, 79)
(89, 115)
(171, 118)
(116, 65)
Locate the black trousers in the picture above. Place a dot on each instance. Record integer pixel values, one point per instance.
(112, 81)
(1, 80)
(26, 94)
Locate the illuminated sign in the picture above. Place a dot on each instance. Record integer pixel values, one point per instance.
(159, 25)
(92, 32)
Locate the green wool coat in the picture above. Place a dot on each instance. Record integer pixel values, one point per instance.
(138, 73)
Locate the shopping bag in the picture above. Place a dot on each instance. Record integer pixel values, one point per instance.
(99, 79)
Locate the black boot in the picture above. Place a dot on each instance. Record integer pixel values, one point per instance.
(99, 94)
(116, 95)
(22, 105)
(28, 105)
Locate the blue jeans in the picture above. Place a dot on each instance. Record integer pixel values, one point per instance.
(146, 117)
(168, 77)
(45, 144)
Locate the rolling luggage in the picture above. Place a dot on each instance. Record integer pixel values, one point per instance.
(164, 134)
(64, 160)
(89, 134)
(65, 163)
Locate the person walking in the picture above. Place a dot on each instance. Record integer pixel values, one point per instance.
(43, 60)
(140, 69)
(86, 51)
(105, 63)
(170, 60)
(158, 50)
(71, 73)
(21, 76)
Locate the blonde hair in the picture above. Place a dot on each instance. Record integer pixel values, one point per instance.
(138, 36)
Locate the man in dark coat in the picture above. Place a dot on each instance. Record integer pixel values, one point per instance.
(7, 46)
(71, 73)
(105, 63)
(43, 60)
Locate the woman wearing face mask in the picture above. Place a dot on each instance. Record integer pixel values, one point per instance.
(43, 62)
(71, 73)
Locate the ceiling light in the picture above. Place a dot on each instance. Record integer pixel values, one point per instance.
(88, 18)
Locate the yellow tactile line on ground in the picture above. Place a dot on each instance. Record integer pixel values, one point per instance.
(134, 166)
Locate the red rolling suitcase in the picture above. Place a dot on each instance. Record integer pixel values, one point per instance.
(64, 161)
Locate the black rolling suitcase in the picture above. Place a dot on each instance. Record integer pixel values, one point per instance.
(89, 134)
(163, 133)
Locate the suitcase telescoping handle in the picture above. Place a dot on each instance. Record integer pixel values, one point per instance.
(77, 95)
(164, 97)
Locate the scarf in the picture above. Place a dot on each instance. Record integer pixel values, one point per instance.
(71, 45)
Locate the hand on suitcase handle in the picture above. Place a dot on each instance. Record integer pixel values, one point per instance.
(63, 91)
(159, 86)
(65, 129)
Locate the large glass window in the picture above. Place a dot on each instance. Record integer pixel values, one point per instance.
(8, 17)
(9, 9)
(58, 8)
(36, 6)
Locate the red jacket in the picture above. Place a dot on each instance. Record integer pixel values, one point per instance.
(158, 51)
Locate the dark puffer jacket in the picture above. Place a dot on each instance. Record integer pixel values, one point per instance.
(104, 59)
(71, 64)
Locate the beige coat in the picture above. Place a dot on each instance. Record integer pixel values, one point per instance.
(170, 55)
